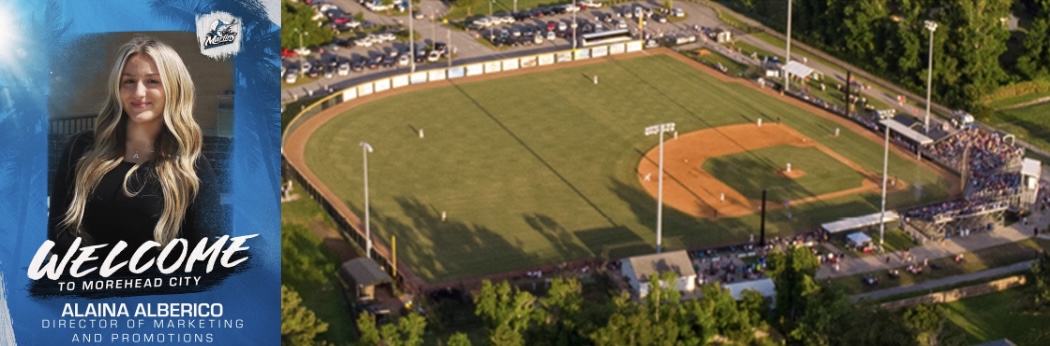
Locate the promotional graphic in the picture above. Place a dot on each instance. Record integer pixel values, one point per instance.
(140, 172)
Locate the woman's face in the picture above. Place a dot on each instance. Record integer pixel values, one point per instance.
(141, 91)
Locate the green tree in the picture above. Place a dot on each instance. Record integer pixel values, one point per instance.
(977, 36)
(929, 326)
(753, 307)
(297, 18)
(506, 309)
(299, 325)
(562, 305)
(408, 331)
(656, 321)
(301, 266)
(1041, 274)
(1035, 62)
(366, 326)
(458, 339)
(792, 273)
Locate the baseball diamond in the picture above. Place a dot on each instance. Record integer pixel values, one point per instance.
(540, 166)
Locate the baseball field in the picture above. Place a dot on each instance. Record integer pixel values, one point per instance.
(500, 173)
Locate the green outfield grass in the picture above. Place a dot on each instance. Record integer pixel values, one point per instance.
(539, 168)
(751, 172)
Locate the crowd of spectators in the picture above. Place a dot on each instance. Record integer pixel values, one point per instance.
(987, 184)
(988, 151)
(945, 211)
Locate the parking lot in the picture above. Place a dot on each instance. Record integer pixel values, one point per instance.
(350, 60)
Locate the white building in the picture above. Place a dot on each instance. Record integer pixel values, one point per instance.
(641, 269)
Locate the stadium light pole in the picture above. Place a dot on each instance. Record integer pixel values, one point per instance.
(885, 167)
(411, 40)
(300, 32)
(659, 129)
(931, 26)
(573, 27)
(365, 149)
(787, 57)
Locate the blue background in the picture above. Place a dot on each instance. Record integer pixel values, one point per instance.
(254, 295)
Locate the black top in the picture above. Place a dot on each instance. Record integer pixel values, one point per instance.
(112, 216)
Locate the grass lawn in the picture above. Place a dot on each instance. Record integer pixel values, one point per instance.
(751, 172)
(1001, 315)
(538, 168)
(309, 268)
(976, 261)
(1031, 123)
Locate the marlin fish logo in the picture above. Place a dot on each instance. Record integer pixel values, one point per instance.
(223, 28)
(222, 33)
(219, 34)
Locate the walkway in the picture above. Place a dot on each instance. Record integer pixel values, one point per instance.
(948, 281)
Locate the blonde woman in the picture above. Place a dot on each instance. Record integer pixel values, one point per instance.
(139, 176)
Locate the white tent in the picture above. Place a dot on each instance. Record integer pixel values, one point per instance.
(858, 238)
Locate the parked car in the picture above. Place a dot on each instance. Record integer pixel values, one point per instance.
(291, 76)
(590, 4)
(551, 36)
(433, 56)
(288, 53)
(329, 73)
(678, 12)
(659, 18)
(344, 68)
(374, 62)
(358, 65)
(403, 60)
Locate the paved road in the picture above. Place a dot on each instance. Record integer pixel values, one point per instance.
(948, 281)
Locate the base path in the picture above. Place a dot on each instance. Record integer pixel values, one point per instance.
(691, 190)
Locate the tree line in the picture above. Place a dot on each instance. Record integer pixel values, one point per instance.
(804, 312)
(889, 38)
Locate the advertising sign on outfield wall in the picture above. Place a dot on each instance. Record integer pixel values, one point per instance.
(349, 94)
(599, 51)
(617, 48)
(476, 69)
(634, 46)
(583, 54)
(418, 77)
(528, 62)
(546, 59)
(510, 64)
(399, 81)
(492, 66)
(382, 85)
(456, 72)
(437, 75)
(364, 89)
(564, 57)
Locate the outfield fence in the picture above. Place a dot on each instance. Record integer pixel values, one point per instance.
(347, 221)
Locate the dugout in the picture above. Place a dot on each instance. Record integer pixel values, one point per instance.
(905, 133)
(852, 223)
(364, 275)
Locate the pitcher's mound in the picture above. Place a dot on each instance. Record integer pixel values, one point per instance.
(794, 174)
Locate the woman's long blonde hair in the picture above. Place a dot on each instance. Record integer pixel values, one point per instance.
(175, 150)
